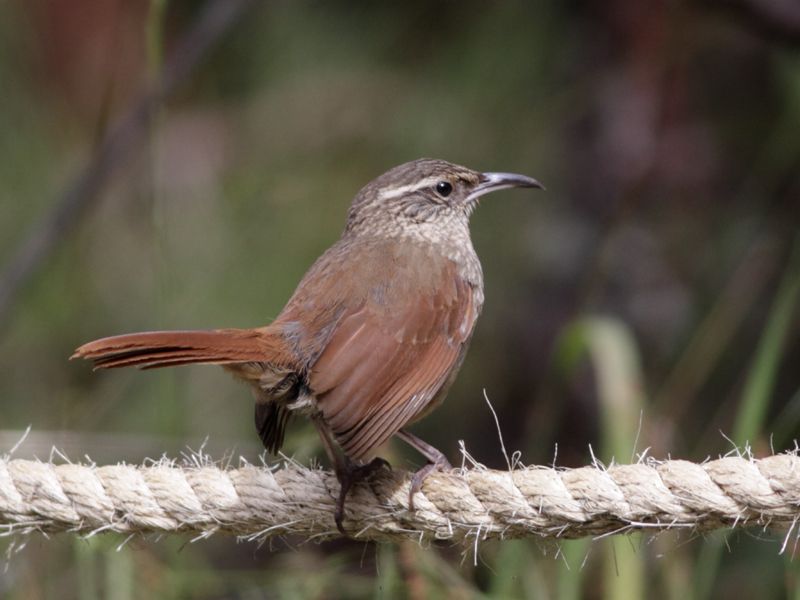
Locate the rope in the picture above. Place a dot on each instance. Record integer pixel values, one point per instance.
(260, 502)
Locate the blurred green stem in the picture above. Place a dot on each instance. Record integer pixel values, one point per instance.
(792, 574)
(707, 564)
(86, 567)
(119, 574)
(154, 32)
(173, 418)
(755, 399)
(570, 570)
(620, 387)
(620, 390)
(387, 576)
(517, 574)
(761, 377)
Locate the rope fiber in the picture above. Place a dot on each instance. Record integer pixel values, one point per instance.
(464, 504)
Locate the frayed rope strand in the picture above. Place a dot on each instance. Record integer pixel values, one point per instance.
(259, 503)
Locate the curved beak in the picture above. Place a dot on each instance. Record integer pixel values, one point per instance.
(491, 182)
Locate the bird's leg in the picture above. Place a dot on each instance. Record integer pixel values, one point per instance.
(350, 474)
(347, 471)
(437, 462)
(328, 443)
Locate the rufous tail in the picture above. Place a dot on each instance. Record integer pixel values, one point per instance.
(153, 349)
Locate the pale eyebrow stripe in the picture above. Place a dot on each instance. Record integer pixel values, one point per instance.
(394, 192)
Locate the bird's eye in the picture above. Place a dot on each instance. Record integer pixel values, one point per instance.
(443, 188)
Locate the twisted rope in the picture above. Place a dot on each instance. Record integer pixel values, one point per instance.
(259, 502)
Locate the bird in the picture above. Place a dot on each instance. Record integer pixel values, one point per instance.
(375, 332)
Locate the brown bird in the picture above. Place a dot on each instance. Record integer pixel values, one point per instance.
(375, 332)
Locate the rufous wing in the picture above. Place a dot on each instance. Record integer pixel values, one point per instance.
(385, 362)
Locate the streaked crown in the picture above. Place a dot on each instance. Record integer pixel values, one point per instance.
(424, 196)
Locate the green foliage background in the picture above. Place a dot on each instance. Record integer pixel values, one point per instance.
(648, 300)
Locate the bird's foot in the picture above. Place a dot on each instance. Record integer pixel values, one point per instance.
(348, 475)
(440, 464)
(436, 462)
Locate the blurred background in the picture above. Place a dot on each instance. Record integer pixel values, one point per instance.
(646, 303)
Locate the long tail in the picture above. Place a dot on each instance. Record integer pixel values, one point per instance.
(153, 349)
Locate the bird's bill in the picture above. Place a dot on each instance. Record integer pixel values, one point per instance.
(491, 182)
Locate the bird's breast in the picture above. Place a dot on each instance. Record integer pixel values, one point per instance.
(385, 278)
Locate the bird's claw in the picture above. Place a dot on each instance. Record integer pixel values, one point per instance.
(348, 475)
(417, 479)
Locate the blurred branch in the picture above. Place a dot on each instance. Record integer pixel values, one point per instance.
(216, 19)
(465, 506)
(774, 20)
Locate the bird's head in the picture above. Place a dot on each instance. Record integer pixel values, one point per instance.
(425, 197)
